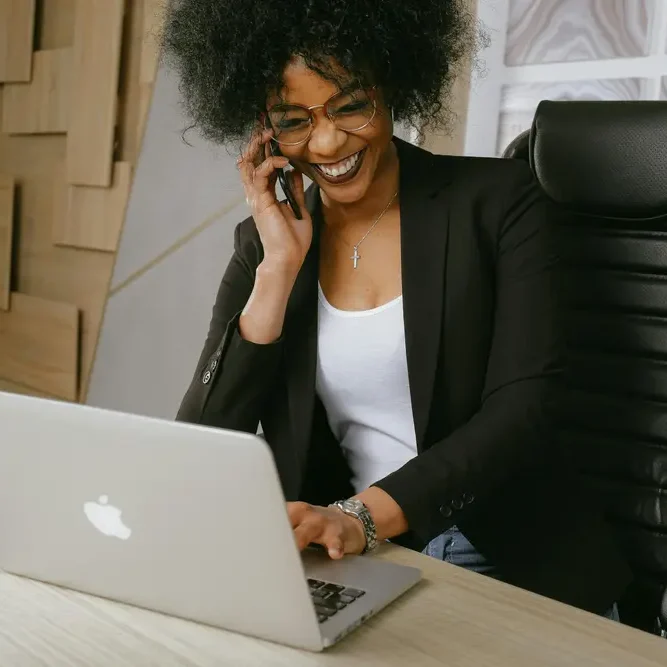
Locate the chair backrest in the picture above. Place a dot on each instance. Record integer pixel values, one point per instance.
(605, 166)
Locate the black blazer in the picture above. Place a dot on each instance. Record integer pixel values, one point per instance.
(484, 351)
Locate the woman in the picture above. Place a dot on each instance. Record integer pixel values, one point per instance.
(399, 343)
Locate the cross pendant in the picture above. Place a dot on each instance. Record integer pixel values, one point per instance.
(356, 257)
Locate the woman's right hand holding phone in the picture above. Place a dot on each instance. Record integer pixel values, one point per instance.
(285, 239)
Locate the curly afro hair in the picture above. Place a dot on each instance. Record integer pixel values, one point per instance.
(229, 54)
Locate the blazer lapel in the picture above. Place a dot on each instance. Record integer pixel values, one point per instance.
(424, 241)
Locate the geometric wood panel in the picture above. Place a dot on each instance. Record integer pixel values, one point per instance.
(548, 31)
(97, 48)
(6, 236)
(39, 340)
(90, 34)
(43, 105)
(93, 217)
(17, 21)
(13, 388)
(55, 20)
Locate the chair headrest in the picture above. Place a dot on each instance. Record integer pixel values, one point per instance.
(603, 158)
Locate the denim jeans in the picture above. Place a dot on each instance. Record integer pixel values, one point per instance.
(453, 547)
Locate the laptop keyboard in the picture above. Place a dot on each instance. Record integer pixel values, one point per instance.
(329, 598)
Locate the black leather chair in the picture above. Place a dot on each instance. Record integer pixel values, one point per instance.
(605, 165)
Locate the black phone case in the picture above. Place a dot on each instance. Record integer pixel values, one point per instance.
(284, 184)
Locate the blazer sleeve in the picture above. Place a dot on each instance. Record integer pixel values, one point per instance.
(233, 376)
(510, 431)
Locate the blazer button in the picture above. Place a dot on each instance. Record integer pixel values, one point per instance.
(457, 504)
(446, 511)
(207, 377)
(468, 498)
(214, 365)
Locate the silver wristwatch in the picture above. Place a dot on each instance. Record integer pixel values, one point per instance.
(358, 510)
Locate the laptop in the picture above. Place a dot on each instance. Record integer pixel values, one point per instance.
(176, 518)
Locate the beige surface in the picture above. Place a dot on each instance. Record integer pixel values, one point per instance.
(6, 235)
(43, 105)
(96, 70)
(17, 20)
(39, 340)
(453, 618)
(92, 217)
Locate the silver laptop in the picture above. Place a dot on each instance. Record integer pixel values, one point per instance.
(181, 519)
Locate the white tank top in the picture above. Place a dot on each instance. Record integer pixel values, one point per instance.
(362, 380)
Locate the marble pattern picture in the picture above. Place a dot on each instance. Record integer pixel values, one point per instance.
(557, 31)
(519, 102)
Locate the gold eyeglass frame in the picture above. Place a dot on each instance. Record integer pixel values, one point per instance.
(312, 117)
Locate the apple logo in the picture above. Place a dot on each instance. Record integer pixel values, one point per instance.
(106, 518)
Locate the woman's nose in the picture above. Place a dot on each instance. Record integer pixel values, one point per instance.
(326, 139)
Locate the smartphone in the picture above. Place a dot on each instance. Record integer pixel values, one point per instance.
(284, 183)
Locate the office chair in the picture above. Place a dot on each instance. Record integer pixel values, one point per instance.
(605, 166)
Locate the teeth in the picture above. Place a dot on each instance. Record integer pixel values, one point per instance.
(342, 168)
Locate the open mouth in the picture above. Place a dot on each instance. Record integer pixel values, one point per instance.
(343, 171)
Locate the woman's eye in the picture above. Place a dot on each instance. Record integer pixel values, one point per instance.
(291, 123)
(354, 107)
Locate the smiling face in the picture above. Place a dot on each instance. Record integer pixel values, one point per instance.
(343, 163)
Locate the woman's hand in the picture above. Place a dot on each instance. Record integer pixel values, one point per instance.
(336, 531)
(285, 239)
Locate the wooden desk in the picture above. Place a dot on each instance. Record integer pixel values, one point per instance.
(453, 618)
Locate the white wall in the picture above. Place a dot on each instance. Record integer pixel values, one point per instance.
(562, 50)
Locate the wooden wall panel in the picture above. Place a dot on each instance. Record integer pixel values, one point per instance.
(6, 237)
(39, 340)
(70, 275)
(97, 48)
(43, 105)
(38, 164)
(55, 24)
(16, 388)
(92, 217)
(17, 24)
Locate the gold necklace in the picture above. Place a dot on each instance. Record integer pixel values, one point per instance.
(356, 257)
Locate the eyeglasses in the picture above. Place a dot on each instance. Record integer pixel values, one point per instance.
(349, 111)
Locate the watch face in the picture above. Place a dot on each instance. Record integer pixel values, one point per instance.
(354, 505)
